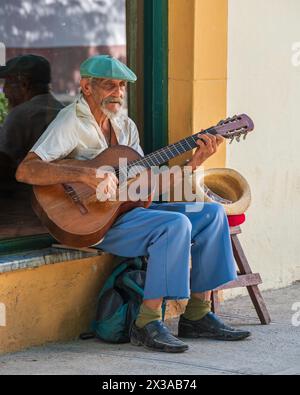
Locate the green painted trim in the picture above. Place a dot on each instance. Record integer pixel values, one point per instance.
(135, 60)
(131, 46)
(155, 74)
(19, 244)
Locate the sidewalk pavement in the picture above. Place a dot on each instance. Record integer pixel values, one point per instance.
(272, 350)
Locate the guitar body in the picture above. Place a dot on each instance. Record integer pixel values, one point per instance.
(71, 212)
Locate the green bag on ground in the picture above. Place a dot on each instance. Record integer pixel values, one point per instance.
(119, 302)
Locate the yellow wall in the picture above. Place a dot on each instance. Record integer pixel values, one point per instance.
(52, 302)
(197, 68)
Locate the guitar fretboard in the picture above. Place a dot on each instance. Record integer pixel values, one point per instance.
(165, 154)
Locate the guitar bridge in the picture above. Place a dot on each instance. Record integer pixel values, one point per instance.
(70, 191)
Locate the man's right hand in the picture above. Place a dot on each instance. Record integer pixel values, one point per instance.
(103, 181)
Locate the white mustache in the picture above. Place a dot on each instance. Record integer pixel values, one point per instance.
(109, 100)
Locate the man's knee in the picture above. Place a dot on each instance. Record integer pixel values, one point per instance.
(180, 223)
(215, 210)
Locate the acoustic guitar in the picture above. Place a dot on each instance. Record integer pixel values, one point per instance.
(73, 214)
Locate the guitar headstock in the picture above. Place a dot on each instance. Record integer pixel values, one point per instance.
(235, 127)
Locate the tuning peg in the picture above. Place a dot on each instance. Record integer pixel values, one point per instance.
(238, 135)
(226, 121)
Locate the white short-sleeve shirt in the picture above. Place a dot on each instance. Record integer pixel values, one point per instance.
(75, 134)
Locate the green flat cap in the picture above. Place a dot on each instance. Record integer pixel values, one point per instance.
(105, 66)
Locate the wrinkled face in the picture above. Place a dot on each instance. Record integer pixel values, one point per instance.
(108, 94)
(15, 90)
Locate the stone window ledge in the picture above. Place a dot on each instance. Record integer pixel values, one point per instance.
(46, 256)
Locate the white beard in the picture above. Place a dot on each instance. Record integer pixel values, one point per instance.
(111, 115)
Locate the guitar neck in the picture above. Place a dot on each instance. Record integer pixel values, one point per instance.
(165, 154)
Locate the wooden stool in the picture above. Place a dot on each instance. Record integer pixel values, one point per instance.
(246, 278)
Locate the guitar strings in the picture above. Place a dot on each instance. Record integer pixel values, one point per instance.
(140, 168)
(158, 156)
(174, 149)
(91, 193)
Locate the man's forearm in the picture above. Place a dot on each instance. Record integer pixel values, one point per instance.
(37, 172)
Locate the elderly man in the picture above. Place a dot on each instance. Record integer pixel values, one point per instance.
(32, 108)
(166, 233)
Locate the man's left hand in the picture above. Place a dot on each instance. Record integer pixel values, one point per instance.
(207, 146)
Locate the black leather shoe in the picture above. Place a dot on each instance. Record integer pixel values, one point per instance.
(156, 336)
(210, 327)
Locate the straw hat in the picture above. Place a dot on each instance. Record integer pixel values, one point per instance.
(224, 186)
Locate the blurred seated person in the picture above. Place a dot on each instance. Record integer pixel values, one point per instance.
(32, 108)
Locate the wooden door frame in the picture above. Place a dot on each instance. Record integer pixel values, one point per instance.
(147, 54)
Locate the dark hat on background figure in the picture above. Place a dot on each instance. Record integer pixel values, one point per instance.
(34, 66)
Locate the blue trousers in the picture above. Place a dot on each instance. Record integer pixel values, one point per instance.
(169, 234)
